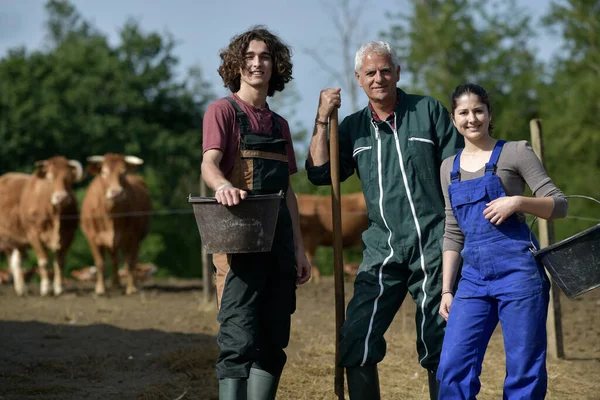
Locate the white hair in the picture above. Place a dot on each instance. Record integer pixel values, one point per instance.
(377, 47)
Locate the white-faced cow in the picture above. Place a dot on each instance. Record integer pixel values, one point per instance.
(115, 215)
(316, 223)
(39, 211)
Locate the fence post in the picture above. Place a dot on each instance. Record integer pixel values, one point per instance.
(546, 238)
(207, 267)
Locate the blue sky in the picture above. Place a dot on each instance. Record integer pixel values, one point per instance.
(202, 27)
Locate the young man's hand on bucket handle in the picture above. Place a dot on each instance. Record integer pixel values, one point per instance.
(228, 195)
(225, 192)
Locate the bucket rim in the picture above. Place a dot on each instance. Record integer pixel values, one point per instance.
(565, 241)
(570, 196)
(202, 199)
(583, 291)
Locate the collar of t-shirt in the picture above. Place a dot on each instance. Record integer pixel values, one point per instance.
(390, 118)
(262, 116)
(264, 109)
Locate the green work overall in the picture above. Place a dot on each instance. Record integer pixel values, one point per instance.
(398, 164)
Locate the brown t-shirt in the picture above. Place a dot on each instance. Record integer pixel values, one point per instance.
(220, 130)
(517, 165)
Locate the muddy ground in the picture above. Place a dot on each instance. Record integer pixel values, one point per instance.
(160, 344)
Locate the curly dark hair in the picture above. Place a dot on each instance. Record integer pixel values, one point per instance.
(233, 59)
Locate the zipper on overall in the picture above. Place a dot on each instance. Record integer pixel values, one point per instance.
(418, 229)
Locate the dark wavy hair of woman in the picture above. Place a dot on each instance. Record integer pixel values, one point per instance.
(233, 59)
(472, 88)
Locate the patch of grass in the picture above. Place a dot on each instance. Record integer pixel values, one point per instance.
(161, 391)
(196, 364)
(324, 258)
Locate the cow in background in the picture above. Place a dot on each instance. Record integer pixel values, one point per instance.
(316, 223)
(141, 272)
(115, 215)
(39, 211)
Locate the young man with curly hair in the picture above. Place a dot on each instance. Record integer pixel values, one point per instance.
(248, 150)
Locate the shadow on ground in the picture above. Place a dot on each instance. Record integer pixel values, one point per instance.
(99, 361)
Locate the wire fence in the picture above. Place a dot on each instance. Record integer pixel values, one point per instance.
(183, 211)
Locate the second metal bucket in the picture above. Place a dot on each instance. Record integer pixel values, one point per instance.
(574, 263)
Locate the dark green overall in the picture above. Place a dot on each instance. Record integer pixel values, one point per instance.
(398, 163)
(257, 291)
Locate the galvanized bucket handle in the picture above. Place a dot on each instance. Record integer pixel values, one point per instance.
(579, 196)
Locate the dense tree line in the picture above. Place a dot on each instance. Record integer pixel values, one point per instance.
(81, 95)
(443, 43)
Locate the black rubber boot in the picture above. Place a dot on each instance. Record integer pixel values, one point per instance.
(262, 385)
(232, 389)
(363, 383)
(434, 385)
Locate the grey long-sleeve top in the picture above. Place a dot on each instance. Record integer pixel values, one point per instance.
(517, 165)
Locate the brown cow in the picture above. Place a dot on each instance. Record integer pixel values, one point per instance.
(141, 272)
(115, 215)
(39, 211)
(316, 223)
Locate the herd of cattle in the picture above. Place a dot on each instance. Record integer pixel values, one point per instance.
(40, 211)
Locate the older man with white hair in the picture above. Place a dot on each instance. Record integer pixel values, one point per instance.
(396, 144)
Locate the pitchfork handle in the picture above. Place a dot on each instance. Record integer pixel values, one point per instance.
(338, 270)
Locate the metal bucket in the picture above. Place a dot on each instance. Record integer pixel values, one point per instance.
(574, 263)
(248, 227)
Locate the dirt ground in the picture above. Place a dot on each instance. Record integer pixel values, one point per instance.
(160, 344)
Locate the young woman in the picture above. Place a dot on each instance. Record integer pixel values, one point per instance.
(501, 280)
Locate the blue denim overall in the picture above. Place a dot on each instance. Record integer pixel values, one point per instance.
(501, 281)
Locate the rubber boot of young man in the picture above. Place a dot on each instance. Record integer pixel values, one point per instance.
(232, 389)
(363, 382)
(262, 385)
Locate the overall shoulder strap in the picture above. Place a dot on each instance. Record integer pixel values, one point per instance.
(455, 173)
(276, 130)
(490, 166)
(240, 115)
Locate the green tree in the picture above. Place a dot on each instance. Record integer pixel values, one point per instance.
(82, 96)
(570, 107)
(64, 21)
(443, 43)
(335, 55)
